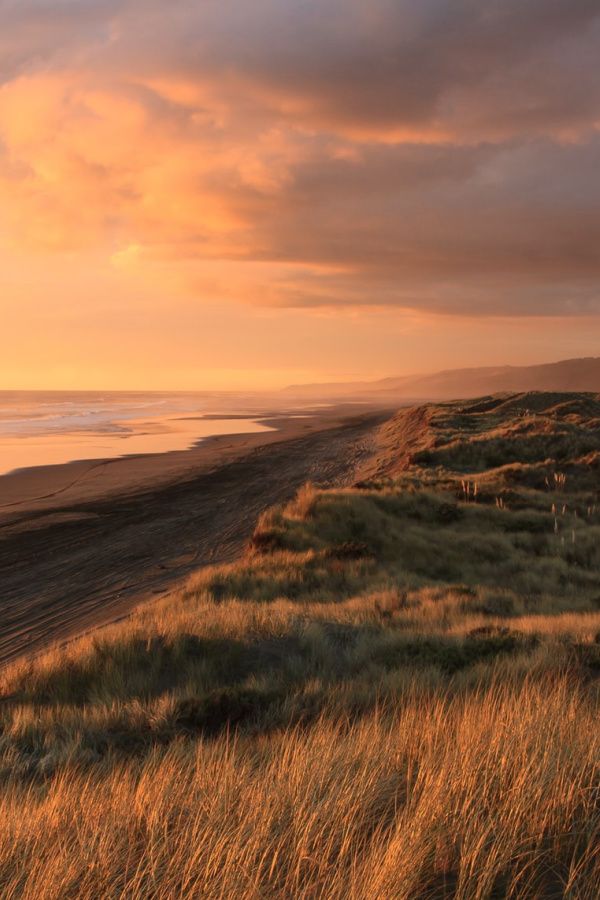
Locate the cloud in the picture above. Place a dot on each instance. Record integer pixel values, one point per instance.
(438, 156)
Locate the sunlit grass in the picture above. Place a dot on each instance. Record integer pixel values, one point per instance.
(490, 794)
(393, 693)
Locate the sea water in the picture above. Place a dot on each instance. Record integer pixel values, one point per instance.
(40, 428)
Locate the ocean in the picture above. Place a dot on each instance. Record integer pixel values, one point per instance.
(40, 428)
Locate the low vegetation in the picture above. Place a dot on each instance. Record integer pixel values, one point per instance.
(394, 693)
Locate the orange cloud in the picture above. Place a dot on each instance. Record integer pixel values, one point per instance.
(433, 158)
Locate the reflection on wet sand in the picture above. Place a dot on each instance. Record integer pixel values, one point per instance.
(157, 434)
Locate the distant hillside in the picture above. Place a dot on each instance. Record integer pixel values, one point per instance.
(566, 375)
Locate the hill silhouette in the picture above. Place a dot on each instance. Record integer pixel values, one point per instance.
(565, 375)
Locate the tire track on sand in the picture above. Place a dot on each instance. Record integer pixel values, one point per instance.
(80, 572)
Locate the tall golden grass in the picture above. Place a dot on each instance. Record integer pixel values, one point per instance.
(495, 794)
(392, 694)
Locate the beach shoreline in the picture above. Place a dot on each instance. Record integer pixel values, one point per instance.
(82, 543)
(34, 488)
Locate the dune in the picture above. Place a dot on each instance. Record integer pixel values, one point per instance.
(382, 686)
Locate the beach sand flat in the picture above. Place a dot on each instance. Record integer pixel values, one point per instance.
(81, 544)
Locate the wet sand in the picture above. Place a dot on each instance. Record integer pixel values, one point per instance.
(126, 437)
(81, 544)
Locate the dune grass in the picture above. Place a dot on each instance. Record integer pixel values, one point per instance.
(395, 692)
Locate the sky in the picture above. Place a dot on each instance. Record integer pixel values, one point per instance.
(250, 193)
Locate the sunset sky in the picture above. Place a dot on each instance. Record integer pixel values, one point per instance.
(248, 193)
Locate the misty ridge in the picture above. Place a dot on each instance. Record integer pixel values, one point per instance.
(566, 375)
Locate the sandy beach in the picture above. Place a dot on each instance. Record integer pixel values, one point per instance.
(81, 543)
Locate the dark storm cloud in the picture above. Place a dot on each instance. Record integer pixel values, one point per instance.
(434, 154)
(517, 64)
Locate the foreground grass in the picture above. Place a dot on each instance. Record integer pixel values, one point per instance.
(394, 693)
(489, 795)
